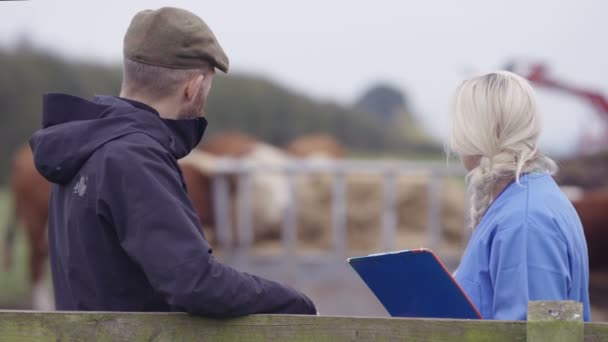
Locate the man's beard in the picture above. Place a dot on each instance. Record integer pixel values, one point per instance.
(193, 109)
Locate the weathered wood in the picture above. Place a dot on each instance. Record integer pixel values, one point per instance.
(560, 321)
(596, 332)
(100, 326)
(19, 326)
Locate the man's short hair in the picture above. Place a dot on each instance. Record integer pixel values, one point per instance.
(154, 81)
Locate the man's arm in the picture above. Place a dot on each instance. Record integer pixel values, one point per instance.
(159, 230)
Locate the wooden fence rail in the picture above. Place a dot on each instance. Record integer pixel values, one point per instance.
(547, 322)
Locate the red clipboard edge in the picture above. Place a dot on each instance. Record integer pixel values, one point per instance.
(426, 250)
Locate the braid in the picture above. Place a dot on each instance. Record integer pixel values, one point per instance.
(504, 165)
(480, 182)
(482, 179)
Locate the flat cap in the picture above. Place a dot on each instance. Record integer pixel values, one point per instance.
(173, 38)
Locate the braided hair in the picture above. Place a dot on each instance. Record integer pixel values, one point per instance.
(495, 119)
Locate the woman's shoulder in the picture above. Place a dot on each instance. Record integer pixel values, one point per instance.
(539, 194)
(536, 197)
(545, 198)
(548, 210)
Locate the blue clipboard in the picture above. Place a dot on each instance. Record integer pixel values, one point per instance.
(414, 283)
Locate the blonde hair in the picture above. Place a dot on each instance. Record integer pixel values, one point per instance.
(495, 118)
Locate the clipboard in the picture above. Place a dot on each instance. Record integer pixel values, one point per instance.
(414, 283)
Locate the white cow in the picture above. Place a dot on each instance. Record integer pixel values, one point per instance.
(269, 188)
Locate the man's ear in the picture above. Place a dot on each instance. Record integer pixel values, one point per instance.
(193, 87)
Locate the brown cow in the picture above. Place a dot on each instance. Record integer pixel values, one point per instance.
(199, 192)
(30, 197)
(199, 182)
(316, 144)
(229, 144)
(592, 207)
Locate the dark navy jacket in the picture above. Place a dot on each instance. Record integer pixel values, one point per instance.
(123, 235)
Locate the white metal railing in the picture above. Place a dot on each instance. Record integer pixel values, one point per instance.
(389, 170)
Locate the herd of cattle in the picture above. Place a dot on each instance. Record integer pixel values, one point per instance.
(30, 194)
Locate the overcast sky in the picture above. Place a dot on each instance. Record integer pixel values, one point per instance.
(335, 49)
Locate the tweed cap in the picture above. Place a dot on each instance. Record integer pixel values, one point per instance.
(172, 38)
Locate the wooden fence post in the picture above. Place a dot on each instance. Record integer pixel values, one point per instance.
(555, 321)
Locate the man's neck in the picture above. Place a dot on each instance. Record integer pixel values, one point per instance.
(164, 109)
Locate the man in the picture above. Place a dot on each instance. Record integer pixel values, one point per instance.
(123, 235)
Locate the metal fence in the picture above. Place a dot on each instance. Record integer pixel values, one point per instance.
(339, 169)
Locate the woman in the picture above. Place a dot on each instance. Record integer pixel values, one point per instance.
(528, 241)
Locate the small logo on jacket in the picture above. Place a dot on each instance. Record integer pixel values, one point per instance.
(81, 187)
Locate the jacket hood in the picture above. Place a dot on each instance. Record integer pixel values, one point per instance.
(74, 128)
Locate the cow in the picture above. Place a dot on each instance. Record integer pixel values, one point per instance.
(313, 145)
(270, 188)
(592, 208)
(30, 199)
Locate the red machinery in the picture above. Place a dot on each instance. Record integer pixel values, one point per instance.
(537, 74)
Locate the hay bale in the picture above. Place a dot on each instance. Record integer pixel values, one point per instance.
(365, 207)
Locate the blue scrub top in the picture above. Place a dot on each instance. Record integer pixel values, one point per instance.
(530, 245)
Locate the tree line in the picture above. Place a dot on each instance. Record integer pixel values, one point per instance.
(378, 122)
